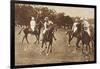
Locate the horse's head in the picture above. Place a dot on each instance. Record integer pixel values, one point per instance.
(51, 27)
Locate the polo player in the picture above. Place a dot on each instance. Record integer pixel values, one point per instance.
(86, 26)
(32, 24)
(46, 24)
(74, 27)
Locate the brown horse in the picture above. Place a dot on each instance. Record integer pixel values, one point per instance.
(28, 30)
(81, 35)
(76, 34)
(48, 38)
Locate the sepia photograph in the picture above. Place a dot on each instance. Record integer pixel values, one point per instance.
(53, 34)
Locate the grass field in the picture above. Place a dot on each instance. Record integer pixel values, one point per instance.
(27, 54)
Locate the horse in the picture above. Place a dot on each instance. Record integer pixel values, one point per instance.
(72, 34)
(81, 35)
(48, 38)
(28, 30)
(86, 39)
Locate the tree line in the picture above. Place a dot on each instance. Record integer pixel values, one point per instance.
(23, 14)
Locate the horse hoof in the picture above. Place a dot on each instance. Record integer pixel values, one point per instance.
(25, 49)
(73, 52)
(68, 45)
(86, 53)
(40, 53)
(86, 58)
(78, 46)
(47, 54)
(34, 42)
(50, 50)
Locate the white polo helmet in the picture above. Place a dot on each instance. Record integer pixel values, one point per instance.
(32, 18)
(46, 18)
(76, 19)
(81, 18)
(86, 19)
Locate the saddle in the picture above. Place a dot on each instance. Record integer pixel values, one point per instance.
(30, 30)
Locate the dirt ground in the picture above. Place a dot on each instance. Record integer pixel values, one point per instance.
(27, 54)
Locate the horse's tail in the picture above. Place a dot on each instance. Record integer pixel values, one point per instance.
(20, 31)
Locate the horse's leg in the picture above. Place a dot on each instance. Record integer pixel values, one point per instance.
(45, 44)
(42, 44)
(51, 46)
(54, 36)
(77, 44)
(39, 35)
(92, 45)
(69, 40)
(84, 53)
(26, 38)
(20, 31)
(42, 47)
(45, 48)
(48, 49)
(23, 39)
(88, 48)
(36, 39)
(83, 47)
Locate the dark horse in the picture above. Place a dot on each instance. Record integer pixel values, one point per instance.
(76, 34)
(81, 35)
(48, 37)
(28, 30)
(86, 39)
